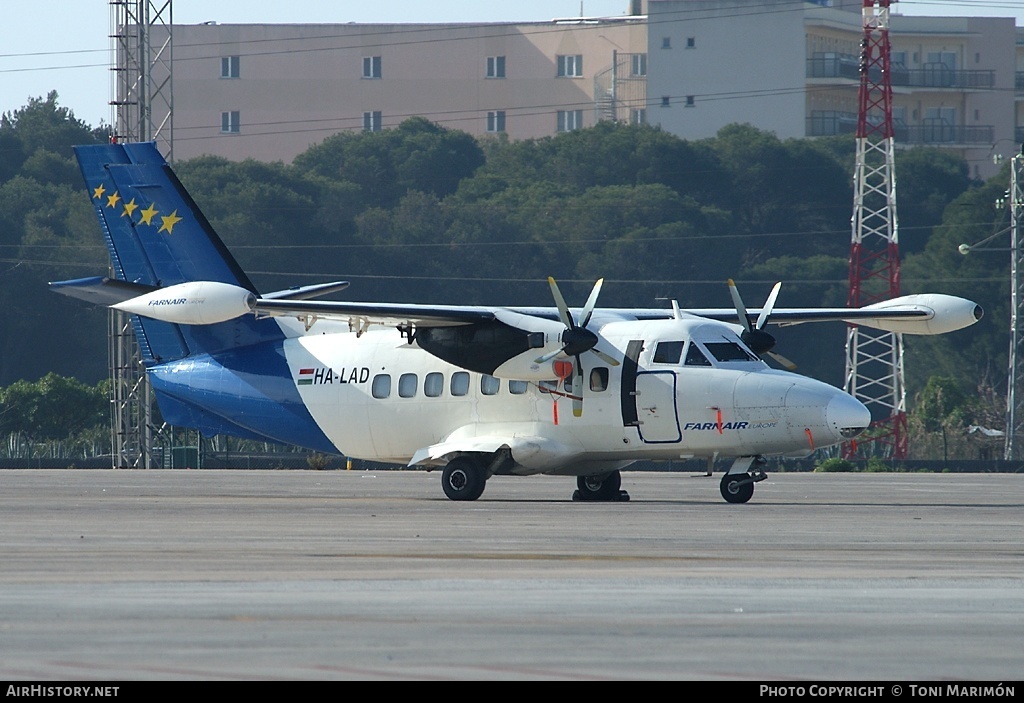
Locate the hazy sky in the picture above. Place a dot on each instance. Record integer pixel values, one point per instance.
(62, 45)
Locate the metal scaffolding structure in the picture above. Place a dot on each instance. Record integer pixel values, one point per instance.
(140, 79)
(874, 359)
(142, 51)
(1013, 448)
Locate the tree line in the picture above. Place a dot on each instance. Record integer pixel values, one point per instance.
(420, 213)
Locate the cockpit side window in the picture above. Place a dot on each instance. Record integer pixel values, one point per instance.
(668, 352)
(695, 357)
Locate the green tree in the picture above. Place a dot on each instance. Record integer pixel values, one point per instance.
(52, 408)
(417, 155)
(41, 124)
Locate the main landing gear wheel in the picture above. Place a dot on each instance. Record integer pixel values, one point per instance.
(604, 487)
(463, 479)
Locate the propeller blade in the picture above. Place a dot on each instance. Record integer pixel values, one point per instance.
(768, 306)
(789, 365)
(588, 309)
(741, 309)
(563, 309)
(549, 356)
(604, 357)
(577, 390)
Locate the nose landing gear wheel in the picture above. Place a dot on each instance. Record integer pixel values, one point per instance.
(737, 488)
(463, 479)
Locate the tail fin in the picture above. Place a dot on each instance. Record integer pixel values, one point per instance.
(158, 237)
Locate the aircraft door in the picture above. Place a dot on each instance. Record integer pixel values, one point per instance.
(656, 407)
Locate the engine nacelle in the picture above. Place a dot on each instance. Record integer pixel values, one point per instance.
(192, 303)
(946, 313)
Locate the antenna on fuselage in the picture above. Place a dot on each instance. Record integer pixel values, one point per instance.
(677, 314)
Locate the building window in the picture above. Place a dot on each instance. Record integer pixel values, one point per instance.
(230, 122)
(666, 42)
(371, 67)
(638, 65)
(690, 100)
(372, 121)
(229, 67)
(691, 42)
(666, 101)
(638, 116)
(570, 66)
(569, 120)
(495, 66)
(496, 121)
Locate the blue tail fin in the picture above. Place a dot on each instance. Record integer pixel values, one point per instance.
(157, 236)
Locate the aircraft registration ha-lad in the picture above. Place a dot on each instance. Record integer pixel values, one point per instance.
(476, 391)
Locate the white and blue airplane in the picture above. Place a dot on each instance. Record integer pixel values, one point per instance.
(476, 391)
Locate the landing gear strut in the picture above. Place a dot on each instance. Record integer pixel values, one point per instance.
(738, 483)
(463, 479)
(603, 487)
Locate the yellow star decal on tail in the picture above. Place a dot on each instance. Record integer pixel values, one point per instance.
(169, 222)
(112, 200)
(129, 208)
(98, 192)
(146, 216)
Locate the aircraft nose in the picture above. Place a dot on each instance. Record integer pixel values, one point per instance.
(846, 416)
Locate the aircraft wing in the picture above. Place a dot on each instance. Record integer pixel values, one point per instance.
(925, 313)
(390, 314)
(929, 313)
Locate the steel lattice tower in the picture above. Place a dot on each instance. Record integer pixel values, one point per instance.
(874, 359)
(140, 80)
(1013, 447)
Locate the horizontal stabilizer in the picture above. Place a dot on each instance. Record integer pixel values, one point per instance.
(101, 290)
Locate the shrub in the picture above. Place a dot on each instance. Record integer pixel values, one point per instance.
(835, 464)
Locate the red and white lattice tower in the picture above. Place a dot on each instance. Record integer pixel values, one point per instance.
(874, 359)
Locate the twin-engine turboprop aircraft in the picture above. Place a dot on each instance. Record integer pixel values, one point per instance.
(475, 390)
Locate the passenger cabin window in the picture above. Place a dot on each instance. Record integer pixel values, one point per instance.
(518, 387)
(599, 379)
(695, 357)
(728, 351)
(668, 352)
(433, 385)
(381, 386)
(460, 383)
(407, 384)
(489, 385)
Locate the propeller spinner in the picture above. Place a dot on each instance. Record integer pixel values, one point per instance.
(577, 339)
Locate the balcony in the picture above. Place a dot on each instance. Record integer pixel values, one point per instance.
(939, 133)
(823, 123)
(931, 75)
(828, 123)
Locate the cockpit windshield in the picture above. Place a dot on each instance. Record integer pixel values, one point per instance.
(729, 351)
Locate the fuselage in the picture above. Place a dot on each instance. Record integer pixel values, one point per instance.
(686, 388)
